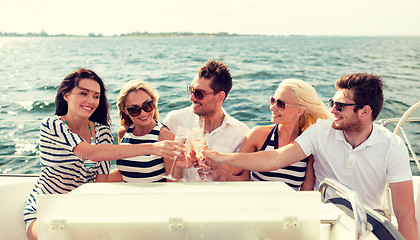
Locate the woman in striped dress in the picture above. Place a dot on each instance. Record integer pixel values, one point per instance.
(294, 107)
(139, 115)
(76, 143)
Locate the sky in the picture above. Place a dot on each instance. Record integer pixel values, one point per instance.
(266, 17)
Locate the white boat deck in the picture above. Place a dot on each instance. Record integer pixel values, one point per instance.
(230, 210)
(247, 210)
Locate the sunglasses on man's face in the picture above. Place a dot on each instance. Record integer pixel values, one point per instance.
(199, 94)
(280, 104)
(147, 106)
(339, 106)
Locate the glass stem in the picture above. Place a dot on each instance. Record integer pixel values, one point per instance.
(172, 168)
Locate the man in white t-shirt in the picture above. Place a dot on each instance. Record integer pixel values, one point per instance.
(208, 91)
(349, 148)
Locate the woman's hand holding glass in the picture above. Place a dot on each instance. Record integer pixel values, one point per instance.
(167, 149)
(180, 137)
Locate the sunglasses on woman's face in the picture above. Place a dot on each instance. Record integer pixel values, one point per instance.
(339, 106)
(199, 94)
(147, 106)
(280, 104)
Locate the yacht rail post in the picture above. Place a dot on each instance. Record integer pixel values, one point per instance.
(399, 128)
(359, 212)
(405, 117)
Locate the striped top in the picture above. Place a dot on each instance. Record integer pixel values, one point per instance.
(62, 170)
(292, 175)
(146, 168)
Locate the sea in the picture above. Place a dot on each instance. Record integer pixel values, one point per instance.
(31, 69)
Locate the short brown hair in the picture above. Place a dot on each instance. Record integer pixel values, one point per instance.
(367, 90)
(219, 74)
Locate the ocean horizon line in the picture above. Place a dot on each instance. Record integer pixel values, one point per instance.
(182, 34)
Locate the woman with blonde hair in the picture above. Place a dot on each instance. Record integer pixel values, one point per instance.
(138, 110)
(294, 107)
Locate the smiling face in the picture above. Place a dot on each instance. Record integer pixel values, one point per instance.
(83, 99)
(347, 119)
(136, 99)
(209, 104)
(291, 112)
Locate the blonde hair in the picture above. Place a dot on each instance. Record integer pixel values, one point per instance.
(307, 97)
(132, 86)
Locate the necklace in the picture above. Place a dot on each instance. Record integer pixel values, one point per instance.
(92, 141)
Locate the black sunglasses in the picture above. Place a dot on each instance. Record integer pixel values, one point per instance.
(280, 104)
(199, 94)
(147, 106)
(339, 106)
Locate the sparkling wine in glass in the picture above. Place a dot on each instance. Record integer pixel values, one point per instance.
(181, 137)
(188, 149)
(201, 122)
(199, 142)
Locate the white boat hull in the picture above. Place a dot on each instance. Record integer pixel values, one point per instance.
(284, 213)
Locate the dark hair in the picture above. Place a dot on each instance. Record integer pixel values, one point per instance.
(101, 114)
(218, 72)
(367, 90)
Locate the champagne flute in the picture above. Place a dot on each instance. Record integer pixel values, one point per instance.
(201, 122)
(181, 137)
(199, 141)
(188, 149)
(206, 143)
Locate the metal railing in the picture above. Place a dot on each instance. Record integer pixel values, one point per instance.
(399, 128)
(359, 213)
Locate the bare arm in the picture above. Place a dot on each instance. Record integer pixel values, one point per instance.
(115, 176)
(251, 141)
(106, 152)
(258, 161)
(230, 169)
(308, 183)
(101, 178)
(221, 175)
(403, 204)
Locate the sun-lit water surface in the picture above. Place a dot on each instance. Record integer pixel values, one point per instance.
(32, 68)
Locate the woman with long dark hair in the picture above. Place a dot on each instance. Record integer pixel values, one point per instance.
(76, 144)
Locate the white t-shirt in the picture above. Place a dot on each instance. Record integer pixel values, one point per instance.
(227, 138)
(364, 169)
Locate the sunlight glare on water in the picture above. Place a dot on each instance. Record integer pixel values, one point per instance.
(32, 68)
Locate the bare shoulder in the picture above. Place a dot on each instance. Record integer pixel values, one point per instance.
(121, 131)
(260, 131)
(255, 138)
(165, 134)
